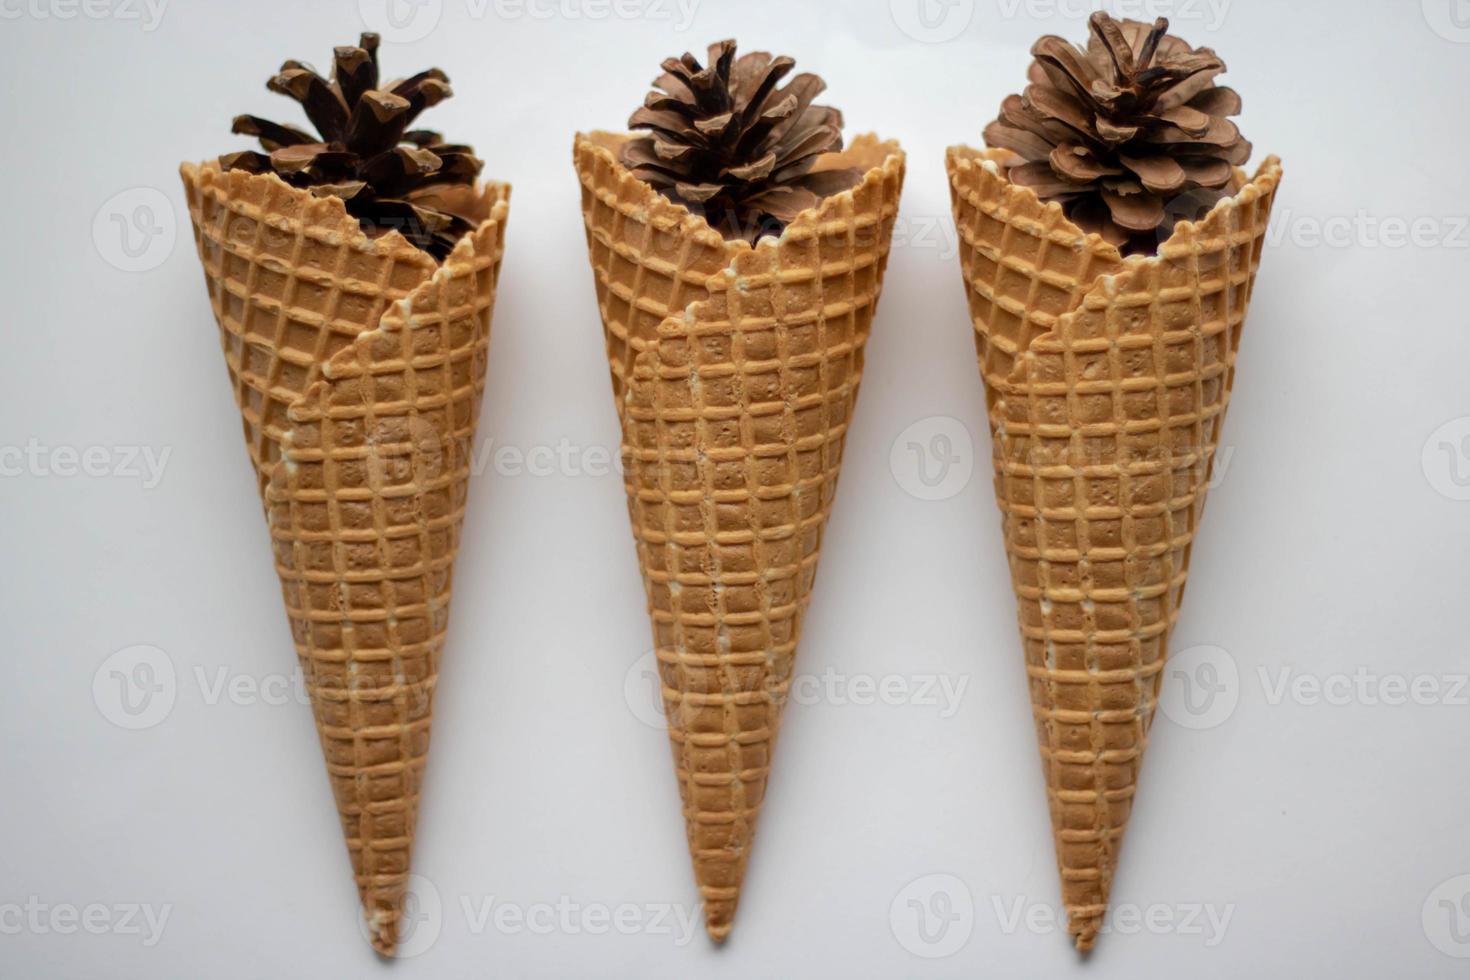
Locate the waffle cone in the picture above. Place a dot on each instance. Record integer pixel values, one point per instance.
(1107, 381)
(358, 366)
(735, 371)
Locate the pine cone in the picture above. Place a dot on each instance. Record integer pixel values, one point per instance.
(729, 145)
(389, 177)
(1129, 135)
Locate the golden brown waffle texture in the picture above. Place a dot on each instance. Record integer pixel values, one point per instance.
(1107, 380)
(358, 366)
(735, 371)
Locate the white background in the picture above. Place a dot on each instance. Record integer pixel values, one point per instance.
(1331, 829)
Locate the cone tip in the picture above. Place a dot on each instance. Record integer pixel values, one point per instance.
(382, 931)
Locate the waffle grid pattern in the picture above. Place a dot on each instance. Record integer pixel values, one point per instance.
(735, 407)
(653, 258)
(287, 291)
(1106, 397)
(365, 473)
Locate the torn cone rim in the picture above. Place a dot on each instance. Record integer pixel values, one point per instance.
(491, 196)
(862, 151)
(1248, 188)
